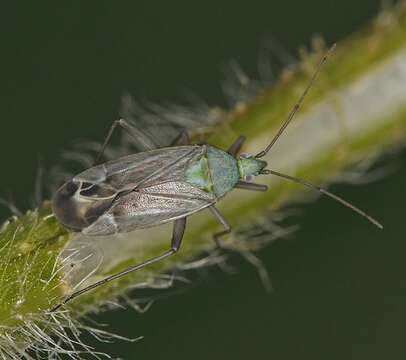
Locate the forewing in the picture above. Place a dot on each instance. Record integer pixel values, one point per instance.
(151, 206)
(144, 169)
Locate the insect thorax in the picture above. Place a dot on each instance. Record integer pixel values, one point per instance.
(215, 172)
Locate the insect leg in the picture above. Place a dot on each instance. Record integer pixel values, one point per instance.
(250, 186)
(136, 134)
(177, 236)
(236, 146)
(181, 139)
(227, 227)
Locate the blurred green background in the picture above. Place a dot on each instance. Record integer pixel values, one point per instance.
(339, 289)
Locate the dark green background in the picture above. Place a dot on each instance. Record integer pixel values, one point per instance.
(339, 283)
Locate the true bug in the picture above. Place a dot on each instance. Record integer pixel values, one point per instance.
(160, 185)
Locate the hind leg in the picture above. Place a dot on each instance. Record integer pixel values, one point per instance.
(136, 134)
(179, 226)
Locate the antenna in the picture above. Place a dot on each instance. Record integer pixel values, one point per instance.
(325, 192)
(298, 104)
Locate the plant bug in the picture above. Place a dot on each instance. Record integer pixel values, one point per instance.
(165, 184)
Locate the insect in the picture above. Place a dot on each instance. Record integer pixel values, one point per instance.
(161, 185)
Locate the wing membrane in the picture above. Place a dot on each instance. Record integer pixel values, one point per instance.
(151, 206)
(144, 169)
